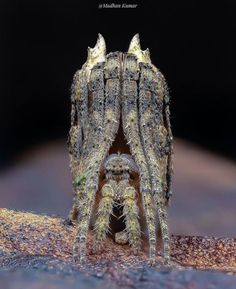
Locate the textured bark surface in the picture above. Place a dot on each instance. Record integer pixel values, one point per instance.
(25, 236)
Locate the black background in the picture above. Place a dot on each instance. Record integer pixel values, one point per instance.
(44, 42)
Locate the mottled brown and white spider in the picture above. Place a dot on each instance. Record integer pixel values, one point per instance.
(125, 93)
(119, 194)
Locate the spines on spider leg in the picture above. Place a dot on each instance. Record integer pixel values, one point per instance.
(74, 149)
(111, 112)
(152, 83)
(164, 151)
(84, 202)
(162, 130)
(96, 56)
(79, 191)
(105, 107)
(157, 159)
(168, 155)
(90, 109)
(75, 140)
(80, 99)
(111, 125)
(131, 213)
(79, 248)
(146, 125)
(163, 222)
(132, 134)
(105, 209)
(96, 108)
(152, 128)
(130, 116)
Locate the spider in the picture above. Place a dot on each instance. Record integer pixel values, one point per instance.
(118, 192)
(111, 92)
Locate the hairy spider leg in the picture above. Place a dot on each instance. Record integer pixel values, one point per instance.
(93, 113)
(111, 125)
(146, 125)
(162, 130)
(131, 130)
(77, 133)
(91, 78)
(93, 128)
(80, 134)
(105, 210)
(164, 152)
(131, 214)
(154, 150)
(167, 157)
(96, 111)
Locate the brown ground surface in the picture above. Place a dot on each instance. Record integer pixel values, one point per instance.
(41, 242)
(27, 234)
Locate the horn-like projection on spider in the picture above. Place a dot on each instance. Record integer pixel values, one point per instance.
(126, 91)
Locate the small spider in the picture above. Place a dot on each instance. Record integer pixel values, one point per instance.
(119, 193)
(111, 92)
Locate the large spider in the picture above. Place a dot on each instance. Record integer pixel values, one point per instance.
(125, 93)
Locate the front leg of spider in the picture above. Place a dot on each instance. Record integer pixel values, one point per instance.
(155, 135)
(82, 119)
(131, 127)
(109, 131)
(156, 162)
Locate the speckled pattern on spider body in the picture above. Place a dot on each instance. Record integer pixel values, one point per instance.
(109, 91)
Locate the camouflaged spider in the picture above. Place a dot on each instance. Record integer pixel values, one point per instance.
(111, 91)
(118, 192)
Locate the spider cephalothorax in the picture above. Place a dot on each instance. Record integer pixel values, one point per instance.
(111, 91)
(119, 166)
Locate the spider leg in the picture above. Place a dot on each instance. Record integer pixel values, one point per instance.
(162, 133)
(152, 123)
(96, 112)
(105, 209)
(146, 126)
(86, 121)
(111, 125)
(167, 156)
(80, 124)
(92, 81)
(131, 130)
(79, 117)
(163, 221)
(131, 213)
(88, 101)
